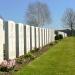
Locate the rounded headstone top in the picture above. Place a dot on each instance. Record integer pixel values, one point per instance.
(11, 22)
(1, 20)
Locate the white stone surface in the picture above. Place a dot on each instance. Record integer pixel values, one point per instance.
(36, 37)
(62, 33)
(40, 32)
(32, 38)
(45, 37)
(43, 34)
(1, 40)
(19, 39)
(52, 35)
(65, 34)
(27, 38)
(10, 40)
(49, 35)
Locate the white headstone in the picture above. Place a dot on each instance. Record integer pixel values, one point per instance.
(27, 38)
(40, 32)
(10, 40)
(32, 38)
(36, 37)
(52, 35)
(45, 37)
(1, 41)
(48, 36)
(65, 34)
(19, 39)
(43, 34)
(61, 33)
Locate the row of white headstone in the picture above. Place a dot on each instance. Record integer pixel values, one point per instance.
(63, 34)
(18, 39)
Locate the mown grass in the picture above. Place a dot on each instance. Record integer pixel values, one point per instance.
(59, 60)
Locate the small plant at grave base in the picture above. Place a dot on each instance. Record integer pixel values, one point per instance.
(19, 60)
(29, 55)
(56, 41)
(33, 51)
(60, 36)
(57, 37)
(8, 65)
(51, 44)
(37, 49)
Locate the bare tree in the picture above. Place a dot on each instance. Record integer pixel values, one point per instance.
(38, 14)
(68, 19)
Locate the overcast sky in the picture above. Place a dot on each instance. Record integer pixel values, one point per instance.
(15, 9)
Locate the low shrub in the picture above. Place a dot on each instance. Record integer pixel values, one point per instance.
(29, 55)
(37, 49)
(58, 37)
(32, 51)
(19, 60)
(25, 58)
(8, 65)
(51, 44)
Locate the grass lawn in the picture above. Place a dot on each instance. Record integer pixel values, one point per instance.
(59, 60)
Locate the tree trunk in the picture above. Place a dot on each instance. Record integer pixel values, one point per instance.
(71, 30)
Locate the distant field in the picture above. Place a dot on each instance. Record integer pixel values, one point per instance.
(59, 60)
